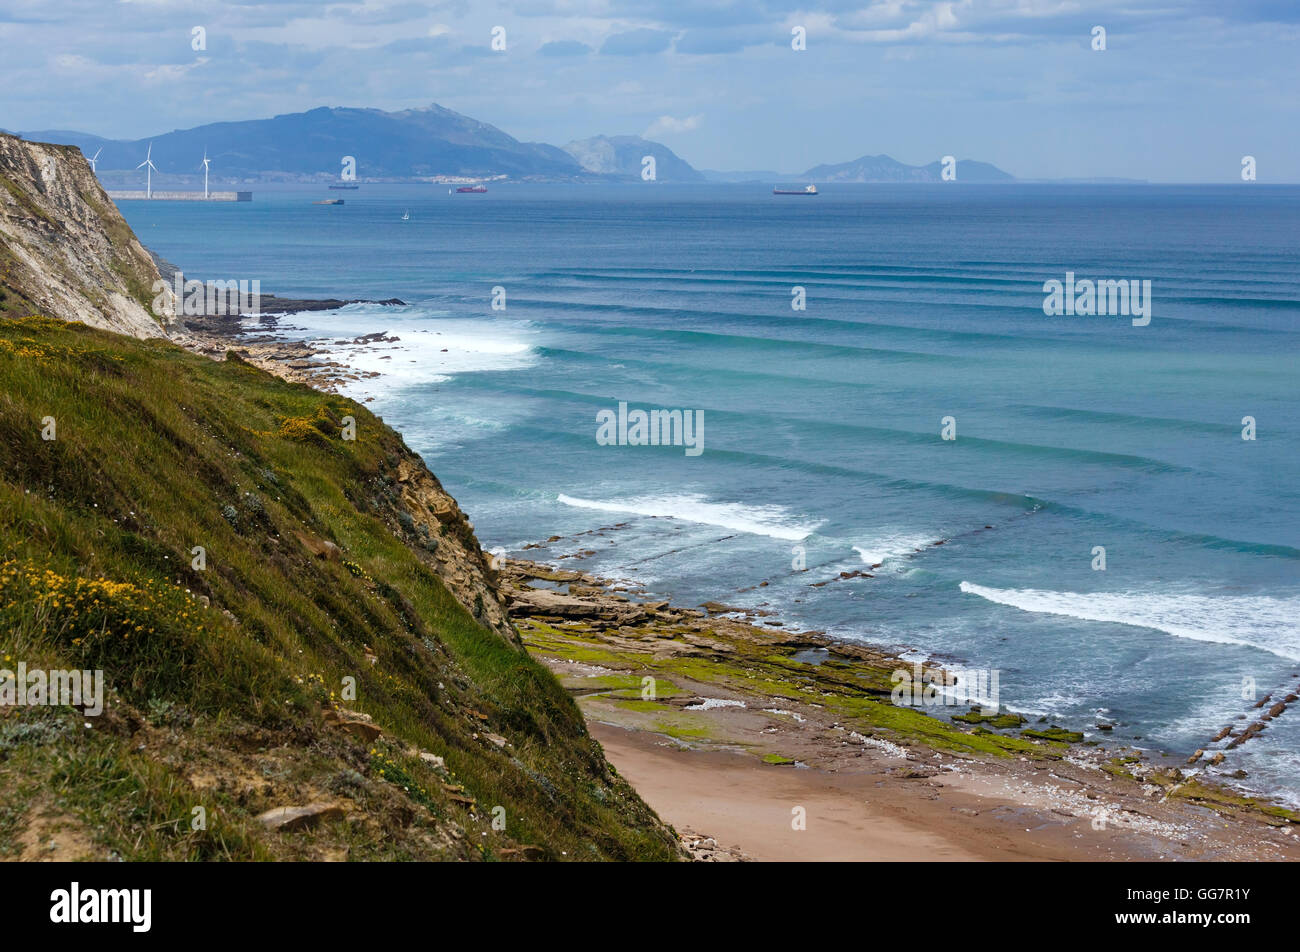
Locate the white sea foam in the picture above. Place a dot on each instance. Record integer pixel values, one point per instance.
(891, 545)
(431, 347)
(1050, 705)
(776, 522)
(1269, 624)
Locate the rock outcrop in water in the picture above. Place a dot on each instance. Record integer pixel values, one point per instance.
(65, 250)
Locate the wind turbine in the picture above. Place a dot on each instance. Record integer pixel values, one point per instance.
(93, 159)
(148, 161)
(206, 160)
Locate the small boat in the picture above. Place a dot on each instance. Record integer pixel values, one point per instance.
(329, 201)
(406, 216)
(806, 190)
(472, 189)
(348, 187)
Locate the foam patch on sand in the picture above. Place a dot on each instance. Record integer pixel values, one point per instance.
(712, 703)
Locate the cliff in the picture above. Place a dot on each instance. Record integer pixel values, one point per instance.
(304, 650)
(64, 248)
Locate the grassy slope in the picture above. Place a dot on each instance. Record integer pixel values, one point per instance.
(158, 451)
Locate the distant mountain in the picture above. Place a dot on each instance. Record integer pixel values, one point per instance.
(968, 170)
(411, 144)
(882, 168)
(433, 143)
(622, 155)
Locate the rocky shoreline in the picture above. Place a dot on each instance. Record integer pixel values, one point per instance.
(293, 360)
(709, 681)
(215, 334)
(741, 693)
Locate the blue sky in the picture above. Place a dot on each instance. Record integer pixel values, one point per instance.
(1182, 92)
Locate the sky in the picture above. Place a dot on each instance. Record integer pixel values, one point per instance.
(1182, 91)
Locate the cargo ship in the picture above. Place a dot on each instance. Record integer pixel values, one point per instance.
(329, 201)
(806, 190)
(476, 189)
(351, 188)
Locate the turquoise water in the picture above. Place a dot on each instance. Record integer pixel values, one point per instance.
(822, 428)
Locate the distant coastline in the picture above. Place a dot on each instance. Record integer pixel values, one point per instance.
(438, 145)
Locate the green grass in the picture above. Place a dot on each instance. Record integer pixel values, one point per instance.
(159, 451)
(23, 199)
(858, 693)
(1058, 734)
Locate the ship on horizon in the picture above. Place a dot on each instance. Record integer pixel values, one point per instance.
(475, 189)
(806, 190)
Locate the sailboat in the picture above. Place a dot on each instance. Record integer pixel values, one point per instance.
(406, 215)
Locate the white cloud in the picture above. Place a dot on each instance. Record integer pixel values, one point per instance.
(172, 72)
(668, 125)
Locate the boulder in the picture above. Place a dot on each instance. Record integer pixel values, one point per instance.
(535, 601)
(320, 548)
(354, 723)
(288, 819)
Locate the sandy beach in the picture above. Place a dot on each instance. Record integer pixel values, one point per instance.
(754, 754)
(868, 814)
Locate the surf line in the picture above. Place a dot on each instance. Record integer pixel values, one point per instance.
(651, 428)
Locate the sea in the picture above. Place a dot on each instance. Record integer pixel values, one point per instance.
(1116, 497)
